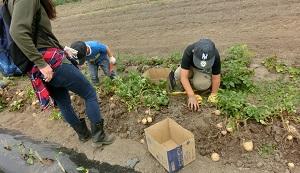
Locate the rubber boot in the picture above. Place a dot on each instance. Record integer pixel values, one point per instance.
(99, 136)
(82, 131)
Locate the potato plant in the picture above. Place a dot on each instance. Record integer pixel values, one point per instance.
(235, 71)
(135, 91)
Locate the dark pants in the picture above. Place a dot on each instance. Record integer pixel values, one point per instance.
(68, 78)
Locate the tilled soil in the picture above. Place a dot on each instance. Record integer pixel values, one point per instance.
(164, 26)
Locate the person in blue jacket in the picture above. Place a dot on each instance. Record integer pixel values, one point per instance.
(96, 54)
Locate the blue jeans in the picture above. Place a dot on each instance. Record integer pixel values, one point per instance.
(68, 78)
(103, 62)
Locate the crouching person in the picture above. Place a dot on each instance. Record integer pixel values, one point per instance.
(97, 55)
(51, 73)
(200, 70)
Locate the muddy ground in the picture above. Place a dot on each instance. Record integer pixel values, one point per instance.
(158, 28)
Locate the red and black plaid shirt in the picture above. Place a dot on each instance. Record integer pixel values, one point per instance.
(54, 57)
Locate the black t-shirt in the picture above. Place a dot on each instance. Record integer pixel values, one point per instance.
(187, 60)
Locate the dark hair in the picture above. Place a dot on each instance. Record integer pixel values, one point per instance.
(49, 7)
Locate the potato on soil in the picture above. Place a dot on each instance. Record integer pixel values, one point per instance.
(144, 121)
(215, 157)
(248, 145)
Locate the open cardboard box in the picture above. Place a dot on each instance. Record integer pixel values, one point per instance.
(157, 74)
(172, 145)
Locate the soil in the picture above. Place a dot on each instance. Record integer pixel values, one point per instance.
(160, 28)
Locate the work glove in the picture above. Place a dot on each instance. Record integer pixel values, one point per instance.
(213, 98)
(72, 53)
(199, 98)
(112, 60)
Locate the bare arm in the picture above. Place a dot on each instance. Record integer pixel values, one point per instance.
(184, 78)
(216, 80)
(109, 52)
(192, 100)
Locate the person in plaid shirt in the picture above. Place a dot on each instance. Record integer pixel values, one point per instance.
(53, 75)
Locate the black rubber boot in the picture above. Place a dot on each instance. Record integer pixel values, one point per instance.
(99, 136)
(82, 131)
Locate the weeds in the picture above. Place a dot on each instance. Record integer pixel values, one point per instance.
(55, 115)
(266, 150)
(16, 105)
(134, 91)
(2, 104)
(30, 93)
(273, 65)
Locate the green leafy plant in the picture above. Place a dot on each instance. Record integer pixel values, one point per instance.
(270, 99)
(236, 74)
(30, 93)
(55, 115)
(135, 91)
(232, 103)
(16, 105)
(2, 104)
(266, 150)
(273, 65)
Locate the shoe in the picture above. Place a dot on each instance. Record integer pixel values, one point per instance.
(82, 131)
(99, 136)
(172, 81)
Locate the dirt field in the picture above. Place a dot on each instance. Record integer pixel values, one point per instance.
(160, 27)
(163, 26)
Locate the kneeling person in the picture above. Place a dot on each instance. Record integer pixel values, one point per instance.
(200, 70)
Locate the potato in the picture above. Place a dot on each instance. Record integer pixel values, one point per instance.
(112, 106)
(147, 112)
(248, 146)
(229, 129)
(111, 99)
(290, 137)
(224, 132)
(220, 125)
(217, 112)
(144, 121)
(149, 119)
(292, 129)
(291, 165)
(215, 157)
(21, 94)
(142, 141)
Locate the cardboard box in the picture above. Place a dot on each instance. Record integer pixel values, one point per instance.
(157, 74)
(172, 145)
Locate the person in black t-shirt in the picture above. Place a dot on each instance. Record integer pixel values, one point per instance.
(200, 70)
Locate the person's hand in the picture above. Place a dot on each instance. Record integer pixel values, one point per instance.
(193, 103)
(213, 98)
(47, 72)
(112, 60)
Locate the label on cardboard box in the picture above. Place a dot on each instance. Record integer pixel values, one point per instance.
(175, 159)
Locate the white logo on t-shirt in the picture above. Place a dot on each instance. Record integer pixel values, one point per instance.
(204, 56)
(203, 63)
